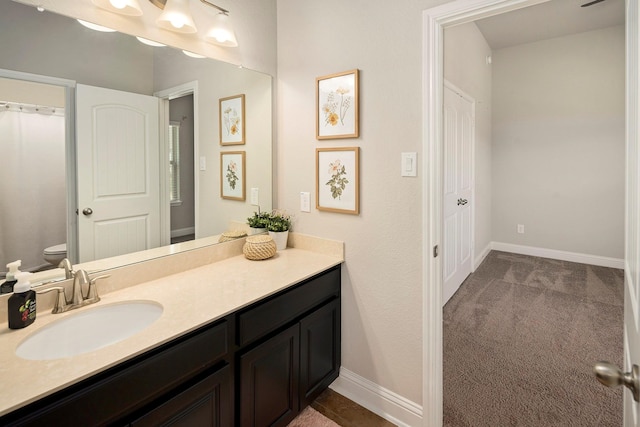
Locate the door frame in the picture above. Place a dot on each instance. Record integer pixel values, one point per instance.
(434, 21)
(166, 95)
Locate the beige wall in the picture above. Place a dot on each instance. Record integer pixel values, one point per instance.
(558, 153)
(382, 276)
(465, 65)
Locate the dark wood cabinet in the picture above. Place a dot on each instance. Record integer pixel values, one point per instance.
(259, 366)
(110, 397)
(208, 402)
(269, 381)
(282, 375)
(319, 351)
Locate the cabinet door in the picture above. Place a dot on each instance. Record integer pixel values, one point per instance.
(206, 403)
(269, 381)
(319, 351)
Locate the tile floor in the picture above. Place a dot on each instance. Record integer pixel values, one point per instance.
(345, 412)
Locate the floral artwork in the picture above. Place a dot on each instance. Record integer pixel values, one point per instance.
(337, 109)
(231, 121)
(232, 175)
(232, 178)
(232, 124)
(337, 179)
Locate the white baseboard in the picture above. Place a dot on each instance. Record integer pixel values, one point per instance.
(183, 232)
(379, 400)
(481, 257)
(560, 255)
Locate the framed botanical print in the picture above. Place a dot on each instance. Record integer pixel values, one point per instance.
(232, 124)
(337, 109)
(338, 179)
(232, 175)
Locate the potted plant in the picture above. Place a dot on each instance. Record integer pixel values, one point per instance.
(278, 226)
(258, 222)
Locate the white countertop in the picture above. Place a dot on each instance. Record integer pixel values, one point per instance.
(190, 299)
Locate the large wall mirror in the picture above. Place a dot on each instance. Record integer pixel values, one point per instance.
(49, 66)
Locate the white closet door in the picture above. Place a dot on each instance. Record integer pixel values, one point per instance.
(458, 190)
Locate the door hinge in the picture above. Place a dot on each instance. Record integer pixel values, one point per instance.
(435, 251)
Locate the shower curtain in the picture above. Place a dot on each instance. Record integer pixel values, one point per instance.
(32, 183)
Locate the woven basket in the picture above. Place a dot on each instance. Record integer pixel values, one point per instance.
(227, 236)
(259, 247)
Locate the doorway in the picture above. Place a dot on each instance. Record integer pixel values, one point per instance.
(180, 110)
(181, 169)
(434, 21)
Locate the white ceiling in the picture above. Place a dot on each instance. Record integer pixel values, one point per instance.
(555, 18)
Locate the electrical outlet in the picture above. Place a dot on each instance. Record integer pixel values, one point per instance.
(520, 228)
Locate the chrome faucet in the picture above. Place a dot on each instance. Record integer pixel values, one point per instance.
(68, 269)
(78, 299)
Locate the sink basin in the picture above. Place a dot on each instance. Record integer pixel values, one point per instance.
(89, 330)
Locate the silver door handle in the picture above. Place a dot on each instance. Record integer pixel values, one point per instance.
(87, 211)
(612, 376)
(462, 202)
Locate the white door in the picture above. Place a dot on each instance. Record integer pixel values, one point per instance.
(609, 374)
(458, 116)
(118, 172)
(632, 241)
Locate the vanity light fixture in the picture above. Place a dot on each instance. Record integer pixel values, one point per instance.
(96, 27)
(176, 16)
(123, 7)
(220, 33)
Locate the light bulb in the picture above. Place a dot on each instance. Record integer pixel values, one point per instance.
(176, 16)
(118, 4)
(177, 22)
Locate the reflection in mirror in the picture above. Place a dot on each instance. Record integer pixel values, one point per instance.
(41, 190)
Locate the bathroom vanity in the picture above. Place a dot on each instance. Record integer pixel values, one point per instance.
(256, 364)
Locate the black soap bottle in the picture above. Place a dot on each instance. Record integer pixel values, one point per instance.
(7, 286)
(22, 304)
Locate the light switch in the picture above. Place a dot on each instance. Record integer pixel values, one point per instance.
(409, 164)
(203, 163)
(305, 201)
(255, 196)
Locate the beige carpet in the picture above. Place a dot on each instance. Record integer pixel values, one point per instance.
(520, 339)
(309, 417)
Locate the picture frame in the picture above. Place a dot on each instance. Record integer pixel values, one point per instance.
(337, 106)
(232, 120)
(338, 180)
(232, 175)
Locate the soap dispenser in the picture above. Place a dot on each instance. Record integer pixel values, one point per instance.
(22, 304)
(7, 286)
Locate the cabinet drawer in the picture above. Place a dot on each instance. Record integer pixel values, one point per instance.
(115, 393)
(264, 317)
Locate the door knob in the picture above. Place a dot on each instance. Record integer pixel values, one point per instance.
(612, 376)
(462, 202)
(87, 211)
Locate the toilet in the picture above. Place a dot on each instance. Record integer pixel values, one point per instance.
(54, 254)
